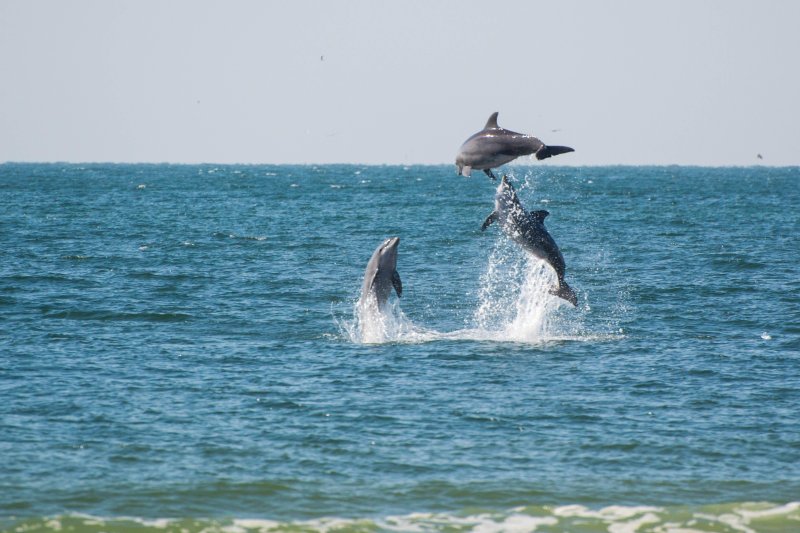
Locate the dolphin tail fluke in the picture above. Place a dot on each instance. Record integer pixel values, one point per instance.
(565, 292)
(549, 151)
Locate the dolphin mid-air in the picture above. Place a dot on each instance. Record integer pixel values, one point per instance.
(381, 274)
(527, 229)
(494, 146)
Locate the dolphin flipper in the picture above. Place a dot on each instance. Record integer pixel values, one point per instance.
(489, 173)
(397, 284)
(540, 215)
(549, 151)
(488, 222)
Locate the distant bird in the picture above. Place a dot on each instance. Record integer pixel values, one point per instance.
(322, 58)
(760, 156)
(494, 146)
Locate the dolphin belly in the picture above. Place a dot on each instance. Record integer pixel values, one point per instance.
(492, 161)
(492, 151)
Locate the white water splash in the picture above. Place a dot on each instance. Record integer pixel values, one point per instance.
(515, 305)
(373, 324)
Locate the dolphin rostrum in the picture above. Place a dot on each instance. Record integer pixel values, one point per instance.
(494, 146)
(381, 274)
(527, 230)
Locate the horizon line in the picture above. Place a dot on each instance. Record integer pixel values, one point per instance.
(531, 165)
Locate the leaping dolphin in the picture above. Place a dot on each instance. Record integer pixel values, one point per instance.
(494, 146)
(381, 274)
(527, 230)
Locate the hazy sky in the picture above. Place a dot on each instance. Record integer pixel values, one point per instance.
(623, 82)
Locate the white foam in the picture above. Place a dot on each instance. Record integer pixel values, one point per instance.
(774, 511)
(373, 324)
(733, 521)
(54, 524)
(481, 523)
(632, 526)
(610, 513)
(614, 519)
(249, 524)
(740, 519)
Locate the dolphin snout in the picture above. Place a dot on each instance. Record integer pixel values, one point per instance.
(390, 244)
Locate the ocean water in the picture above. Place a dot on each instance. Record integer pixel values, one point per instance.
(181, 350)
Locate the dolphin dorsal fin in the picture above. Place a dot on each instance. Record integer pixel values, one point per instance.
(492, 122)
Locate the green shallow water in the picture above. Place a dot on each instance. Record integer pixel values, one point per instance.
(179, 349)
(741, 517)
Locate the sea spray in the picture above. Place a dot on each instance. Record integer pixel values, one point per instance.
(374, 324)
(515, 303)
(535, 305)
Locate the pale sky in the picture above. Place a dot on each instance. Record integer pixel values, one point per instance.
(385, 82)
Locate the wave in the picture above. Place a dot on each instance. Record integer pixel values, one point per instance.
(102, 315)
(230, 235)
(744, 517)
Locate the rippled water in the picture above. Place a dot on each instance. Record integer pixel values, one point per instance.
(180, 349)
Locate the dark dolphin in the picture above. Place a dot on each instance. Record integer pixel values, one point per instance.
(527, 230)
(494, 146)
(381, 274)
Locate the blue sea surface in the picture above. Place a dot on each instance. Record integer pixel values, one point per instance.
(181, 349)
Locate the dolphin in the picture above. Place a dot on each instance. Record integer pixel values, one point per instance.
(381, 274)
(494, 146)
(527, 230)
